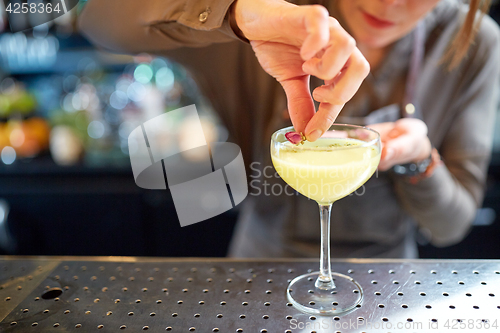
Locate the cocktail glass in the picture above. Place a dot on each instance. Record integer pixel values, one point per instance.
(326, 170)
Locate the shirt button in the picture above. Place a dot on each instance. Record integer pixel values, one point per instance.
(203, 17)
(410, 108)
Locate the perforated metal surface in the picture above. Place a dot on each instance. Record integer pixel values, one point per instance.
(189, 295)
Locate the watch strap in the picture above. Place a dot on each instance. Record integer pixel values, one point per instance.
(421, 170)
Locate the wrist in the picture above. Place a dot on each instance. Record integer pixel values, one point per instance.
(425, 151)
(233, 22)
(258, 19)
(415, 172)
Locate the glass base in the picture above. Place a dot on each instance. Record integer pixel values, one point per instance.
(302, 293)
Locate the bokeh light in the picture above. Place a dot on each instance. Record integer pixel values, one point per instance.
(125, 129)
(17, 137)
(96, 129)
(80, 101)
(143, 73)
(118, 99)
(70, 83)
(8, 155)
(136, 91)
(164, 79)
(123, 84)
(67, 103)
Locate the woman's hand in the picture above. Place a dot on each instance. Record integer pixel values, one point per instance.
(403, 141)
(293, 42)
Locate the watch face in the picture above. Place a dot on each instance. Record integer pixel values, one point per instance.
(412, 169)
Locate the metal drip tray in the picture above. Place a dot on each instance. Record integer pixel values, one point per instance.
(195, 295)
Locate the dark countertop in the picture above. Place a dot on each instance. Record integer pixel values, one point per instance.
(45, 294)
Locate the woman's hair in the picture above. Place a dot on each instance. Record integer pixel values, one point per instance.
(459, 46)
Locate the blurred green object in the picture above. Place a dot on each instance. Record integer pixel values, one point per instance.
(4, 106)
(17, 101)
(78, 121)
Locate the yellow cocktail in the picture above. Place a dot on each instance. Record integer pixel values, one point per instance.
(314, 171)
(326, 170)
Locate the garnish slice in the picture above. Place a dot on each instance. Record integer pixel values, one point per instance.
(295, 137)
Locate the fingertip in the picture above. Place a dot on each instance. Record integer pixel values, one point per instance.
(314, 135)
(309, 48)
(383, 168)
(319, 97)
(311, 66)
(313, 43)
(389, 153)
(322, 119)
(306, 54)
(306, 67)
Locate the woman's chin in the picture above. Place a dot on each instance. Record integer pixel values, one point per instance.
(373, 42)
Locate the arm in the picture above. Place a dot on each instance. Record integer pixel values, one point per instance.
(291, 43)
(446, 202)
(131, 26)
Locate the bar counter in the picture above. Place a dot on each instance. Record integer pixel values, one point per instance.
(132, 294)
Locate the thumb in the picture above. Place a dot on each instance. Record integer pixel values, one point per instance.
(300, 102)
(396, 151)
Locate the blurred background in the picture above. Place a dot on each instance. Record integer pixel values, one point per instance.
(66, 184)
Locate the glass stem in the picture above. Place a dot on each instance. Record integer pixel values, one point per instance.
(324, 280)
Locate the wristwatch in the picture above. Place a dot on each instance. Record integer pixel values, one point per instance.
(415, 172)
(413, 169)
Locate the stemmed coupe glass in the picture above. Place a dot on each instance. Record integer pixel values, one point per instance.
(326, 170)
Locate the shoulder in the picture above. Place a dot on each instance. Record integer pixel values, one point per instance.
(488, 35)
(484, 52)
(451, 13)
(446, 19)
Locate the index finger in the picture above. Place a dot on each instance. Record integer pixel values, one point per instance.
(335, 93)
(322, 120)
